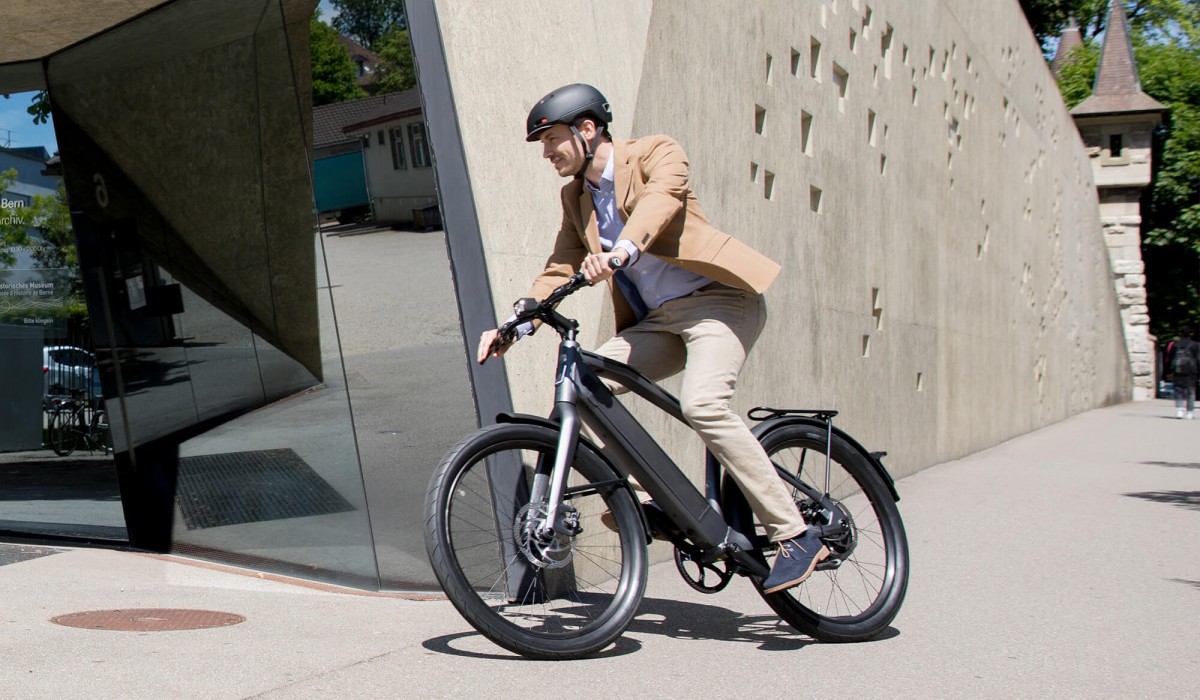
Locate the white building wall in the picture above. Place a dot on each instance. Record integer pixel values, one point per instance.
(946, 285)
(395, 192)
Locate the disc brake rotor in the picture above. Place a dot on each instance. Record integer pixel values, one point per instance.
(545, 552)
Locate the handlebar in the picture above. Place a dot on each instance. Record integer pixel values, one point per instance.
(527, 310)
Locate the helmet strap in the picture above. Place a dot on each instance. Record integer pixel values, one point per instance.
(589, 148)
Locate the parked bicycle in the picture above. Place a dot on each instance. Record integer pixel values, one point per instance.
(539, 541)
(77, 423)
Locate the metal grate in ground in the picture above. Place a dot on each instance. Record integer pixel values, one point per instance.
(249, 487)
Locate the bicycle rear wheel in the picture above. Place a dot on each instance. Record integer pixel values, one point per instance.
(98, 431)
(64, 431)
(561, 597)
(857, 592)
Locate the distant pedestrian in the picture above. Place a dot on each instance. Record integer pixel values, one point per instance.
(1183, 362)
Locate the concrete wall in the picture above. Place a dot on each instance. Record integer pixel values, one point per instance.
(949, 290)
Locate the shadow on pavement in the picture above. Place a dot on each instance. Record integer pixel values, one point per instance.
(53, 478)
(678, 620)
(1182, 499)
(1180, 465)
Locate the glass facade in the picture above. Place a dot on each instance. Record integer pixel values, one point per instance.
(277, 393)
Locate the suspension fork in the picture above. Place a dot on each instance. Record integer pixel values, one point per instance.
(548, 487)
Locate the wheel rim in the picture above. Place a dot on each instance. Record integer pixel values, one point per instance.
(550, 599)
(858, 587)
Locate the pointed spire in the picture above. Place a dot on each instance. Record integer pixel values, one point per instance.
(1117, 88)
(1071, 38)
(1117, 74)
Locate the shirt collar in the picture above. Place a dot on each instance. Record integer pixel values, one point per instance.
(606, 177)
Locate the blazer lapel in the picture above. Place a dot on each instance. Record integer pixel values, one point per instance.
(622, 177)
(591, 231)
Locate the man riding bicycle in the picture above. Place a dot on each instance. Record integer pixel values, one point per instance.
(687, 297)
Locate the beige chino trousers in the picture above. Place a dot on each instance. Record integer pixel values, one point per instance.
(707, 336)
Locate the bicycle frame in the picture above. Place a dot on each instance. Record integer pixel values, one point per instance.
(581, 397)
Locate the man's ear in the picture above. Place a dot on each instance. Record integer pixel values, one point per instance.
(587, 128)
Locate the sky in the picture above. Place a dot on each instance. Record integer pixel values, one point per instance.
(18, 130)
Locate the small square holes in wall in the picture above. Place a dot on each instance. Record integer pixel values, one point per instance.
(920, 381)
(768, 184)
(871, 127)
(814, 199)
(806, 133)
(814, 60)
(767, 77)
(841, 80)
(853, 41)
(876, 308)
(885, 51)
(753, 171)
(866, 346)
(882, 164)
(760, 119)
(795, 62)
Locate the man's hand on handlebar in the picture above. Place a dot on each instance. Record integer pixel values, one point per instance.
(487, 347)
(497, 341)
(597, 266)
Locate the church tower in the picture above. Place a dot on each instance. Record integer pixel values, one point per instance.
(1116, 124)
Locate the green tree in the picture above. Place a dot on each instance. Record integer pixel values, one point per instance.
(368, 21)
(334, 75)
(396, 70)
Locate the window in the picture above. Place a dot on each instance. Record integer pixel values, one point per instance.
(1114, 146)
(396, 134)
(418, 146)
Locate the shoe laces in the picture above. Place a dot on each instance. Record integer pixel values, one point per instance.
(785, 552)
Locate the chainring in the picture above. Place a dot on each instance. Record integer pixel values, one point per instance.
(697, 574)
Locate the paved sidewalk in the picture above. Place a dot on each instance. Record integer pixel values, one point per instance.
(1062, 564)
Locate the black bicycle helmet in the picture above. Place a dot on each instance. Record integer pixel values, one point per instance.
(564, 106)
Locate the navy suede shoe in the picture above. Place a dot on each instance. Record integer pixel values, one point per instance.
(795, 561)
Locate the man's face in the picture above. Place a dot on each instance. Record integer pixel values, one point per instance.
(561, 147)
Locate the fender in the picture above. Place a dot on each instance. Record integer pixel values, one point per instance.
(584, 443)
(873, 458)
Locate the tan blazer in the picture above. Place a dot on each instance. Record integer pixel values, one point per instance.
(662, 218)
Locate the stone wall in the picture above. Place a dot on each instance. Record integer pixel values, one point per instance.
(910, 164)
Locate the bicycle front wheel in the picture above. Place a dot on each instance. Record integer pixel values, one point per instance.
(857, 592)
(558, 597)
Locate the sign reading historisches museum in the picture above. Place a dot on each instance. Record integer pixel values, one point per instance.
(34, 297)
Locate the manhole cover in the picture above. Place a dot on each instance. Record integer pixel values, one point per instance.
(148, 619)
